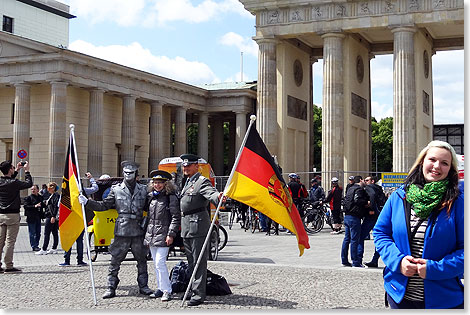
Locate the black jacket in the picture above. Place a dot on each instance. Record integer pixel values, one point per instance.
(10, 192)
(32, 213)
(360, 199)
(373, 191)
(52, 206)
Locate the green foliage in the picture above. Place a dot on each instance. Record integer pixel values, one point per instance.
(192, 138)
(382, 142)
(317, 118)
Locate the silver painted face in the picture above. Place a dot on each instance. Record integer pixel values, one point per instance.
(129, 174)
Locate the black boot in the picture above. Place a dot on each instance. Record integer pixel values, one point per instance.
(145, 291)
(110, 293)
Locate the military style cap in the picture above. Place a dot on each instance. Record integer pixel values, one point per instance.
(189, 159)
(160, 174)
(351, 177)
(133, 166)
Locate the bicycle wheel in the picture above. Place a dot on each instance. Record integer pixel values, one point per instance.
(248, 219)
(232, 217)
(313, 221)
(254, 221)
(93, 251)
(214, 244)
(223, 237)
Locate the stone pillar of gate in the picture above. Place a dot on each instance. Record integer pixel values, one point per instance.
(231, 154)
(333, 107)
(180, 131)
(128, 128)
(217, 127)
(95, 132)
(240, 129)
(57, 130)
(21, 126)
(404, 99)
(203, 136)
(156, 135)
(266, 111)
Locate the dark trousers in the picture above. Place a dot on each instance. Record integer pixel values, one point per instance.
(119, 249)
(48, 229)
(79, 243)
(34, 229)
(192, 248)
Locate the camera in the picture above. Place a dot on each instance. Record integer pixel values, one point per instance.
(23, 162)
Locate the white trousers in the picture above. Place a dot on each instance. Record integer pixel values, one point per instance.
(159, 255)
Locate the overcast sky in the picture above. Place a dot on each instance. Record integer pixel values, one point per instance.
(199, 42)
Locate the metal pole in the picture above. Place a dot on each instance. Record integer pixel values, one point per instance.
(252, 120)
(72, 127)
(241, 66)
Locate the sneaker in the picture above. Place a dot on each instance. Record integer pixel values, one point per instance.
(358, 266)
(348, 264)
(64, 264)
(166, 296)
(36, 249)
(12, 270)
(335, 232)
(41, 252)
(52, 251)
(82, 264)
(158, 293)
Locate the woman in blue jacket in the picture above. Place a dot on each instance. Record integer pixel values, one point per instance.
(420, 234)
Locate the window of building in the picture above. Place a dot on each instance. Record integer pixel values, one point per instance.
(7, 24)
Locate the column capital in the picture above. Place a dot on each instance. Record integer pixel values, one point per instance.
(21, 84)
(240, 111)
(130, 97)
(57, 82)
(98, 90)
(402, 28)
(333, 34)
(266, 40)
(313, 60)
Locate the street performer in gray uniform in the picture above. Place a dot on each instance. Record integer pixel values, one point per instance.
(195, 222)
(129, 199)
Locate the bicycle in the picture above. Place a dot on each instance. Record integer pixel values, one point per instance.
(314, 218)
(251, 220)
(236, 214)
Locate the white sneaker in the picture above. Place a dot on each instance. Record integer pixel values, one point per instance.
(41, 252)
(52, 251)
(166, 296)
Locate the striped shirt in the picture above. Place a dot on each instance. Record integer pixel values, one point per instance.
(415, 288)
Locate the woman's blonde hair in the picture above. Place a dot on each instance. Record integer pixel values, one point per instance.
(51, 185)
(169, 186)
(436, 144)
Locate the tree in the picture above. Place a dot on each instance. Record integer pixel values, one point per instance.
(382, 143)
(317, 119)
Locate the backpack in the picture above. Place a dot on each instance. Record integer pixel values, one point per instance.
(179, 277)
(348, 202)
(380, 198)
(216, 284)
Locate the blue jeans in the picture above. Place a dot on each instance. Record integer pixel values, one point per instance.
(262, 221)
(79, 243)
(367, 225)
(352, 233)
(34, 229)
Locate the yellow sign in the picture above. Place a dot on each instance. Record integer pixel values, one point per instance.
(393, 179)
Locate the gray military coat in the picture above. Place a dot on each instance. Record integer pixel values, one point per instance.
(196, 195)
(130, 208)
(164, 218)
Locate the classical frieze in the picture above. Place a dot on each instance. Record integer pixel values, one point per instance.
(289, 12)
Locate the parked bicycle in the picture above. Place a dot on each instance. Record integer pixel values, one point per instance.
(314, 217)
(251, 220)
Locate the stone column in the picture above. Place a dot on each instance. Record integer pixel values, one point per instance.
(311, 151)
(266, 122)
(203, 136)
(231, 144)
(240, 130)
(333, 107)
(180, 131)
(218, 146)
(166, 131)
(58, 131)
(404, 99)
(21, 126)
(128, 128)
(156, 135)
(95, 133)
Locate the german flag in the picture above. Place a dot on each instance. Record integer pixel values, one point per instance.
(258, 183)
(70, 210)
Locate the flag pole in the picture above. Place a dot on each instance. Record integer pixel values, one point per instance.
(87, 241)
(252, 120)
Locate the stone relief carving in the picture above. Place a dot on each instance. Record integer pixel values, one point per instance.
(439, 4)
(426, 64)
(298, 72)
(414, 5)
(389, 6)
(296, 108)
(425, 103)
(317, 12)
(358, 106)
(365, 8)
(273, 17)
(341, 10)
(296, 15)
(359, 69)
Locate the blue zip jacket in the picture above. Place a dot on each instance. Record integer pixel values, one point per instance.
(443, 249)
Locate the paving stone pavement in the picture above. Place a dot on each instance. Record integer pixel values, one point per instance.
(264, 272)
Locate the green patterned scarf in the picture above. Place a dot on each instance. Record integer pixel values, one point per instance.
(426, 199)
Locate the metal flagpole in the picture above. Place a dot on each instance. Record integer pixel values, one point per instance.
(252, 120)
(87, 241)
